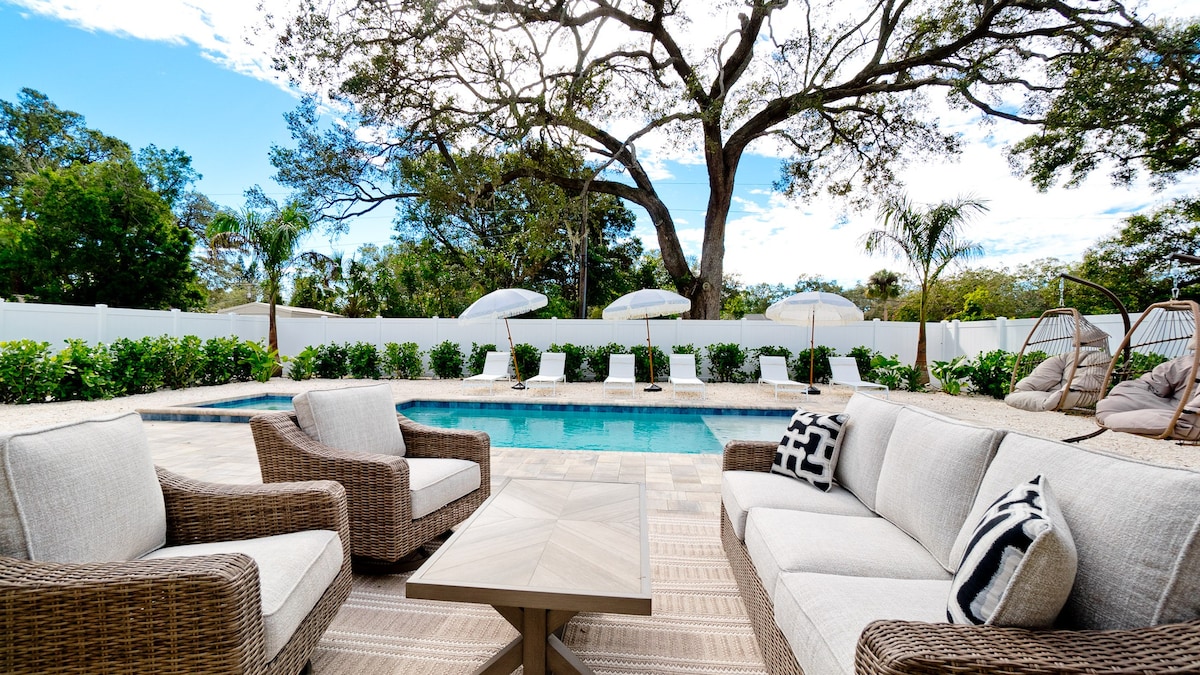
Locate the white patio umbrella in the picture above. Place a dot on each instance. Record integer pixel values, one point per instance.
(812, 309)
(501, 304)
(644, 304)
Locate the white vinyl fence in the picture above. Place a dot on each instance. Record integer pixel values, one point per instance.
(102, 324)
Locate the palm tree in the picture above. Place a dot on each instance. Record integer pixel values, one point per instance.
(884, 285)
(271, 241)
(929, 239)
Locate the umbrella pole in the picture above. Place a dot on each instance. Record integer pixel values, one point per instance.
(650, 353)
(513, 350)
(812, 353)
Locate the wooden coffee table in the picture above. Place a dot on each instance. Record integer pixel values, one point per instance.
(541, 551)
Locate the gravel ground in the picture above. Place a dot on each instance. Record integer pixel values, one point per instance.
(980, 410)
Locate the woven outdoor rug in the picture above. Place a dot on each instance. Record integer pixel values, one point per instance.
(699, 624)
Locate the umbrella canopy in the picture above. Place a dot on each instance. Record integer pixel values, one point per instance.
(501, 304)
(813, 309)
(644, 304)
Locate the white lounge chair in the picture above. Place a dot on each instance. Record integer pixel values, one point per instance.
(620, 373)
(551, 371)
(775, 375)
(845, 372)
(495, 368)
(683, 375)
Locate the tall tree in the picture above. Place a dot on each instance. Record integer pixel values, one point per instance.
(843, 93)
(884, 286)
(271, 237)
(928, 239)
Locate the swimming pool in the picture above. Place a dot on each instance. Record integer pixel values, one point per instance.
(263, 402)
(602, 427)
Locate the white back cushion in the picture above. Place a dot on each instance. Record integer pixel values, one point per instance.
(869, 422)
(81, 492)
(358, 419)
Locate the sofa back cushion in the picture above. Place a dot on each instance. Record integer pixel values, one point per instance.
(868, 427)
(358, 419)
(81, 492)
(1134, 526)
(930, 476)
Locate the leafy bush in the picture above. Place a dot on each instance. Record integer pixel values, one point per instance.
(332, 362)
(575, 357)
(597, 358)
(725, 362)
(302, 364)
(138, 366)
(890, 372)
(528, 360)
(220, 356)
(402, 360)
(820, 364)
(641, 363)
(183, 360)
(991, 373)
(263, 361)
(768, 350)
(446, 360)
(478, 357)
(952, 373)
(28, 372)
(85, 373)
(363, 360)
(862, 357)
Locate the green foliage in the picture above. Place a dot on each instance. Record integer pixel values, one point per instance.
(528, 359)
(896, 376)
(302, 364)
(641, 363)
(820, 363)
(85, 373)
(332, 362)
(598, 358)
(952, 374)
(446, 360)
(403, 360)
(575, 357)
(863, 356)
(221, 360)
(725, 362)
(138, 366)
(991, 373)
(363, 360)
(28, 372)
(478, 357)
(182, 360)
(263, 361)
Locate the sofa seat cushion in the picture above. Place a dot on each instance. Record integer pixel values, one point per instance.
(823, 615)
(435, 482)
(779, 540)
(1136, 528)
(294, 570)
(745, 490)
(930, 476)
(80, 492)
(869, 423)
(357, 419)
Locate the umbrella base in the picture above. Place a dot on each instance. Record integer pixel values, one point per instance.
(813, 391)
(653, 387)
(519, 385)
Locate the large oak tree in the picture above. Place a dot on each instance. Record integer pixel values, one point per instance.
(843, 90)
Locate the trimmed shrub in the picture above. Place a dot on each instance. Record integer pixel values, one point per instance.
(363, 361)
(597, 359)
(403, 360)
(641, 363)
(446, 360)
(28, 372)
(332, 362)
(85, 373)
(138, 366)
(575, 357)
(183, 359)
(819, 360)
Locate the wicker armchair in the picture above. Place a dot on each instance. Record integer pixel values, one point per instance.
(895, 647)
(378, 495)
(198, 614)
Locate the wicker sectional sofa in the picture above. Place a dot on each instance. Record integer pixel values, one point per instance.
(857, 579)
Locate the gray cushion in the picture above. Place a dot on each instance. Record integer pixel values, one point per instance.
(81, 492)
(360, 419)
(869, 423)
(779, 540)
(930, 476)
(1020, 564)
(744, 490)
(823, 615)
(294, 570)
(1135, 526)
(436, 482)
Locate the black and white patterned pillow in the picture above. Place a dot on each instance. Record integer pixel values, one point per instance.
(1020, 564)
(809, 448)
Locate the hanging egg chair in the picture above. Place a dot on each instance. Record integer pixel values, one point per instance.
(1153, 388)
(1061, 365)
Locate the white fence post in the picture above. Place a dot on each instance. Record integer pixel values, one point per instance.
(1002, 333)
(101, 322)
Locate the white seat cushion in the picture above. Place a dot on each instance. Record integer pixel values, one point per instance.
(81, 492)
(358, 419)
(823, 615)
(294, 570)
(744, 490)
(435, 482)
(779, 540)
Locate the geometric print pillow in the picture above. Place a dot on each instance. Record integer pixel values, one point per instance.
(1020, 564)
(809, 448)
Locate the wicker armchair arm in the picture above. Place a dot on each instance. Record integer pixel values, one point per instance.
(192, 614)
(894, 647)
(425, 441)
(749, 455)
(198, 511)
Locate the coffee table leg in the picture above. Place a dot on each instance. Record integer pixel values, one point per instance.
(539, 648)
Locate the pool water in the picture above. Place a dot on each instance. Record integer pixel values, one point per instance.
(613, 428)
(264, 402)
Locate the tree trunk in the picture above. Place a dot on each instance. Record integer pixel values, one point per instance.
(722, 167)
(919, 363)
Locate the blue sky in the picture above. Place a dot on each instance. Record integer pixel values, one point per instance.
(179, 75)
